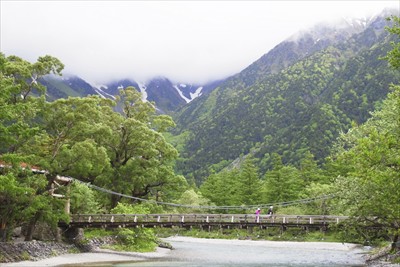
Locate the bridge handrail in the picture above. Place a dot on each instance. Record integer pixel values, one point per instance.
(204, 218)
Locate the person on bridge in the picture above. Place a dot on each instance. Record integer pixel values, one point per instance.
(258, 211)
(270, 211)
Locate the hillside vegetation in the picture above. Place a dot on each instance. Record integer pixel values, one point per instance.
(296, 99)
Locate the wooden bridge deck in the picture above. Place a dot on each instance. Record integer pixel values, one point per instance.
(200, 220)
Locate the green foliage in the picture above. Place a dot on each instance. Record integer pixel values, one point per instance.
(83, 200)
(141, 160)
(47, 209)
(20, 201)
(223, 188)
(393, 56)
(369, 189)
(291, 210)
(95, 233)
(282, 183)
(314, 236)
(290, 105)
(79, 137)
(249, 183)
(239, 186)
(243, 186)
(25, 256)
(322, 206)
(194, 199)
(14, 199)
(18, 109)
(271, 233)
(142, 240)
(20, 127)
(122, 208)
(137, 239)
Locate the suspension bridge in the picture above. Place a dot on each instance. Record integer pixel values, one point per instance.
(206, 220)
(202, 221)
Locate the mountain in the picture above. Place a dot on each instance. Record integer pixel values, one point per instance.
(295, 99)
(167, 96)
(62, 87)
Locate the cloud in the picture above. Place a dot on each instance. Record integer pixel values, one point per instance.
(188, 41)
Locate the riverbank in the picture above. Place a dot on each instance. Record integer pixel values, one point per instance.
(97, 255)
(40, 253)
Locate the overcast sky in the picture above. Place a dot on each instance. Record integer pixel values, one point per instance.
(186, 41)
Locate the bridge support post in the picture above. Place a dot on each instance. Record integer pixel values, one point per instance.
(74, 234)
(67, 207)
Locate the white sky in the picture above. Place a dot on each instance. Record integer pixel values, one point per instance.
(186, 41)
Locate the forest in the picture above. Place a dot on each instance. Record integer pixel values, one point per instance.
(128, 152)
(295, 99)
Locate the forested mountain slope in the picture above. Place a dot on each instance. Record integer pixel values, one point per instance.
(295, 99)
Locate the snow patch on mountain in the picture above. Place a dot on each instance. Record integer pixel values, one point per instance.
(100, 90)
(197, 93)
(142, 88)
(100, 86)
(181, 94)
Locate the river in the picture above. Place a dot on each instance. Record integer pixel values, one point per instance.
(197, 252)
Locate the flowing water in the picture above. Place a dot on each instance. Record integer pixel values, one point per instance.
(215, 252)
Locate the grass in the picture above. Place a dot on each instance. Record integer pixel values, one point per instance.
(96, 233)
(73, 250)
(25, 256)
(125, 239)
(273, 234)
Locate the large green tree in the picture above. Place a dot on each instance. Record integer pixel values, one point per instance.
(282, 183)
(239, 186)
(64, 146)
(250, 183)
(21, 102)
(84, 138)
(140, 159)
(223, 188)
(370, 188)
(369, 163)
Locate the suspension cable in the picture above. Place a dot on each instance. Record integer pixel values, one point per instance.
(283, 204)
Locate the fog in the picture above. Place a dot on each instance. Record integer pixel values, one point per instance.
(186, 41)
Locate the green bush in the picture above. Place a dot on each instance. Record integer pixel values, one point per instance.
(96, 233)
(135, 239)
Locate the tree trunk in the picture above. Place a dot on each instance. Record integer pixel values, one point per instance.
(3, 232)
(31, 227)
(394, 243)
(114, 200)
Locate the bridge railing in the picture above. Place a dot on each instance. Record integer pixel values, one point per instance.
(206, 218)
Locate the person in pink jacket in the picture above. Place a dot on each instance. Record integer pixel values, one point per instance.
(258, 211)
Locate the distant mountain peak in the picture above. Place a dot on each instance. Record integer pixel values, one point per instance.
(167, 96)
